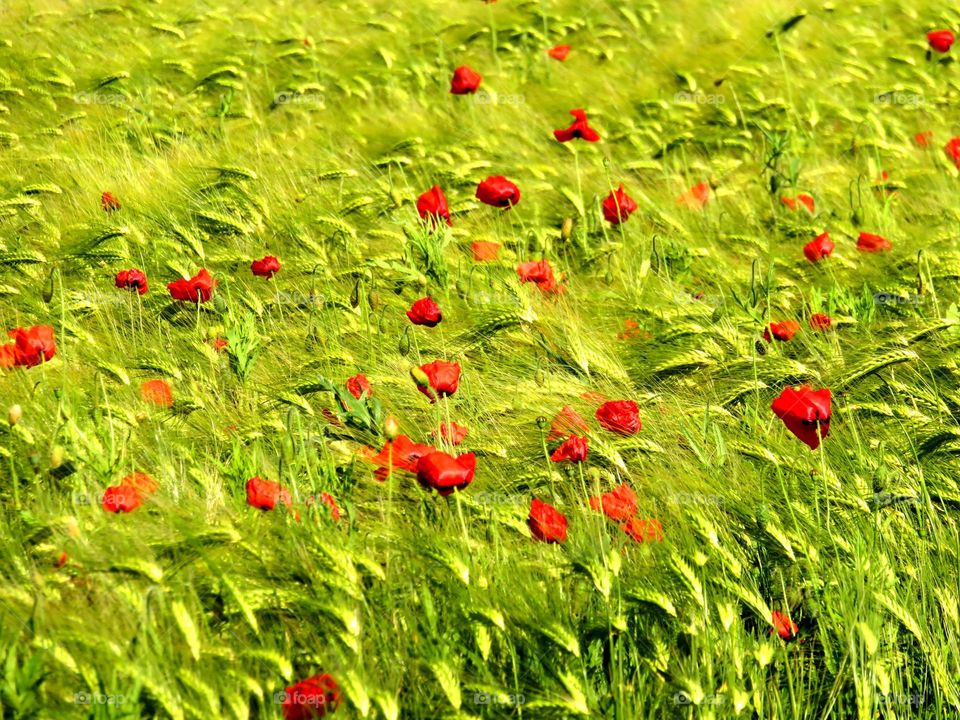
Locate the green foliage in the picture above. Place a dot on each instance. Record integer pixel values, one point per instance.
(227, 135)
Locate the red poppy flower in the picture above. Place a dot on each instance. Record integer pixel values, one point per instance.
(358, 384)
(157, 392)
(484, 250)
(401, 454)
(923, 139)
(265, 267)
(620, 416)
(941, 40)
(132, 278)
(567, 422)
(783, 625)
(425, 312)
(311, 698)
(326, 499)
(444, 378)
(643, 530)
(121, 498)
(579, 129)
(219, 344)
(61, 560)
(109, 203)
(782, 331)
(819, 321)
(538, 272)
(465, 81)
(818, 248)
(559, 52)
(804, 411)
(696, 197)
(952, 149)
(868, 242)
(265, 494)
(546, 523)
(801, 200)
(499, 192)
(445, 473)
(199, 288)
(618, 206)
(573, 449)
(141, 482)
(619, 504)
(452, 433)
(433, 204)
(32, 345)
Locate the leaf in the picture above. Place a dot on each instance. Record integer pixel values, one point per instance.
(187, 627)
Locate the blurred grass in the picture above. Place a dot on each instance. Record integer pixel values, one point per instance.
(195, 605)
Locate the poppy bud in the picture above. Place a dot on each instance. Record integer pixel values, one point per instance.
(857, 217)
(391, 428)
(355, 295)
(14, 414)
(56, 457)
(48, 291)
(566, 230)
(404, 346)
(541, 422)
(419, 377)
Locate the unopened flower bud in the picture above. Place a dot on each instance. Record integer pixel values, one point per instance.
(419, 377)
(391, 428)
(56, 457)
(566, 230)
(14, 414)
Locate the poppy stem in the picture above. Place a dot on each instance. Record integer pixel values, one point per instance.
(493, 36)
(389, 509)
(463, 523)
(576, 165)
(16, 484)
(583, 482)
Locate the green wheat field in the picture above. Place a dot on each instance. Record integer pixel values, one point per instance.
(701, 458)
